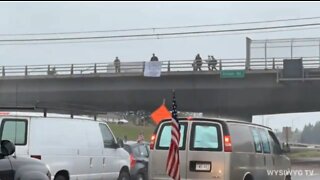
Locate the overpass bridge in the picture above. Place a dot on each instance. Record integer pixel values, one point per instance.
(96, 88)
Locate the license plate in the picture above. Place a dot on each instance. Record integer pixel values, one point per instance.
(203, 167)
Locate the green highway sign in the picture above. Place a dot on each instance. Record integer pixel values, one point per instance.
(232, 74)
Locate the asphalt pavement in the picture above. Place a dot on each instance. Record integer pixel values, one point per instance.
(306, 171)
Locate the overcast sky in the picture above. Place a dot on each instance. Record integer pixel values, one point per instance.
(48, 17)
(51, 17)
(294, 120)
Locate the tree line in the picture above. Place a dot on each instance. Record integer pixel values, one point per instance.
(311, 134)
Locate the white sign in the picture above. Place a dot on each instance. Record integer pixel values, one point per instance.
(152, 69)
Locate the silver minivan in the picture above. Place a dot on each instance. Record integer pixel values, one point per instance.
(220, 149)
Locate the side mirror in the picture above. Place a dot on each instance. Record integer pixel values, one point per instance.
(285, 148)
(7, 148)
(120, 143)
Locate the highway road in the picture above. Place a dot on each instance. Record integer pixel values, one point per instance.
(305, 170)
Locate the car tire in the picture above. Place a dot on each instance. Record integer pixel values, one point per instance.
(248, 177)
(124, 176)
(60, 177)
(288, 178)
(140, 177)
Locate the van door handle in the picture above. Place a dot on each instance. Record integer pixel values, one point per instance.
(104, 162)
(273, 161)
(91, 165)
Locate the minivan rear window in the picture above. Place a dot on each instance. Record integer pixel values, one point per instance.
(205, 137)
(14, 130)
(164, 138)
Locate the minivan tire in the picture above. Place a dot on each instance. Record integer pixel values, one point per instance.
(124, 175)
(140, 177)
(60, 177)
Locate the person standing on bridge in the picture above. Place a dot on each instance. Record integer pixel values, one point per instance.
(52, 71)
(212, 63)
(197, 63)
(154, 58)
(116, 63)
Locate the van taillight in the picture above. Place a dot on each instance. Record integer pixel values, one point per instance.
(132, 161)
(152, 141)
(227, 144)
(36, 157)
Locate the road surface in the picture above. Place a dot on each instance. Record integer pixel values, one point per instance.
(305, 170)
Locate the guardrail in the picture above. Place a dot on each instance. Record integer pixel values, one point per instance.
(138, 67)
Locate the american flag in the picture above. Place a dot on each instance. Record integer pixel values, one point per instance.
(173, 162)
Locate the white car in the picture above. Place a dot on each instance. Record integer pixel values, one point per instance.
(123, 121)
(73, 148)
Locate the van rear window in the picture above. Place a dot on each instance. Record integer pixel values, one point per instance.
(164, 139)
(256, 140)
(241, 138)
(265, 141)
(205, 137)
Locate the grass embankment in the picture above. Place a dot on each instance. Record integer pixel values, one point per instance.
(304, 154)
(131, 131)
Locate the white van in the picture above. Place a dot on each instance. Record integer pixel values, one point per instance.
(75, 149)
(220, 149)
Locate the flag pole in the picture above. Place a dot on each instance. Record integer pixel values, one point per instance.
(173, 160)
(173, 92)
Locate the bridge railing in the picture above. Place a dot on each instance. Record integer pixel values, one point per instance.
(138, 67)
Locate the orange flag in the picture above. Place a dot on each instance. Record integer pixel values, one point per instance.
(160, 114)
